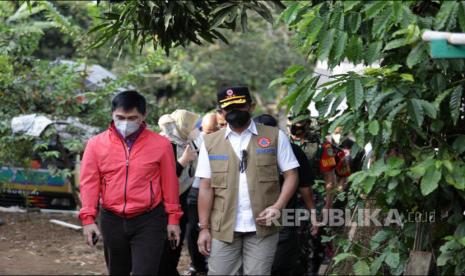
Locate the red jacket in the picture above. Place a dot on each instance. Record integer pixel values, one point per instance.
(128, 183)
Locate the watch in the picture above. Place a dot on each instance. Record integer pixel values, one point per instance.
(202, 226)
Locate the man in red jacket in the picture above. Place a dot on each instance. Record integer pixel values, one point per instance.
(131, 172)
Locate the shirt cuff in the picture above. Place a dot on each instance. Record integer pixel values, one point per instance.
(87, 220)
(174, 213)
(290, 166)
(173, 219)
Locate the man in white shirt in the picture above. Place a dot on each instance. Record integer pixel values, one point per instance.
(239, 189)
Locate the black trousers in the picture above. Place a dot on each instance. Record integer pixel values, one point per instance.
(198, 260)
(286, 259)
(133, 246)
(170, 257)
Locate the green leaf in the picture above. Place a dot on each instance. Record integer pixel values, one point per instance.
(349, 5)
(460, 231)
(340, 121)
(312, 35)
(447, 8)
(354, 20)
(360, 134)
(303, 100)
(337, 20)
(361, 268)
(455, 103)
(338, 49)
(387, 131)
(373, 127)
(277, 81)
(417, 54)
(441, 97)
(291, 71)
(290, 14)
(429, 108)
(291, 96)
(326, 44)
(430, 181)
(381, 23)
(374, 8)
(354, 49)
(392, 259)
(354, 93)
(395, 162)
(340, 257)
(394, 44)
(461, 16)
(459, 144)
(368, 184)
(407, 77)
(373, 52)
(420, 169)
(220, 15)
(374, 105)
(327, 238)
(379, 238)
(244, 20)
(416, 111)
(376, 264)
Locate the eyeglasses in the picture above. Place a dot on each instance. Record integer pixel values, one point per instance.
(243, 163)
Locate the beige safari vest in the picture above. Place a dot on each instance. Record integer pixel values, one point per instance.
(262, 179)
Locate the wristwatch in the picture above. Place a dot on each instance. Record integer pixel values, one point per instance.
(202, 226)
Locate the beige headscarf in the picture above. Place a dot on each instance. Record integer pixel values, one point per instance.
(183, 120)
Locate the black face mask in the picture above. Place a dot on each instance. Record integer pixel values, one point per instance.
(237, 118)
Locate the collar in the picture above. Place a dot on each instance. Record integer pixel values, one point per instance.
(252, 129)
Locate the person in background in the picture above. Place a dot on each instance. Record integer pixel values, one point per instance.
(131, 171)
(220, 120)
(179, 127)
(287, 260)
(198, 261)
(306, 133)
(239, 196)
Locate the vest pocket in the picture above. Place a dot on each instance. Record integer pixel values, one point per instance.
(219, 170)
(268, 173)
(218, 204)
(216, 221)
(219, 180)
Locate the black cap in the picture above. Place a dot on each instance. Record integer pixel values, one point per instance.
(233, 95)
(266, 119)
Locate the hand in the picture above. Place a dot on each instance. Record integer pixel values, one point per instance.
(266, 216)
(204, 242)
(174, 233)
(89, 230)
(188, 155)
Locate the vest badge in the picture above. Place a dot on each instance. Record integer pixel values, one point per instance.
(264, 142)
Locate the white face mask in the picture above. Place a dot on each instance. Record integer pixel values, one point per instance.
(172, 133)
(126, 127)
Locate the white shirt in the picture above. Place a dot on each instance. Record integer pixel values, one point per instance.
(286, 161)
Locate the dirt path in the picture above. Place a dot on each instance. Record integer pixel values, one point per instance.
(30, 244)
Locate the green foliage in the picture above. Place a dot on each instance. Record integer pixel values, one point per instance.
(176, 23)
(410, 109)
(46, 87)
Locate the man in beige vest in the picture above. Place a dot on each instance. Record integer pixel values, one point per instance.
(239, 195)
